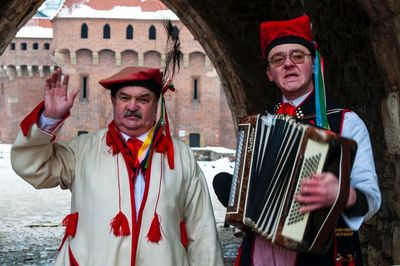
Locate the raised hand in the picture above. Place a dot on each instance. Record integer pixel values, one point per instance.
(57, 103)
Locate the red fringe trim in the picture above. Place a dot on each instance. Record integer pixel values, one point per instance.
(120, 225)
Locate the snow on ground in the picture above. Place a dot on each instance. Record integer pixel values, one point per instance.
(29, 212)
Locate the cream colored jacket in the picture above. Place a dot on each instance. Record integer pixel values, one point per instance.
(87, 168)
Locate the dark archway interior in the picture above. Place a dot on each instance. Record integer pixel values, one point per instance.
(359, 41)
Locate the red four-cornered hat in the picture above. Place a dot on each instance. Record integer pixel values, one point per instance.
(297, 30)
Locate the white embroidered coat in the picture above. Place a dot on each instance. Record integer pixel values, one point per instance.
(87, 168)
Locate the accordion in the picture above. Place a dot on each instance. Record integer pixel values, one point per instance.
(274, 153)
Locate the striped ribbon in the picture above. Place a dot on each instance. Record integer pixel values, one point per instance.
(320, 98)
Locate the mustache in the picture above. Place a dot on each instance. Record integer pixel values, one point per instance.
(136, 114)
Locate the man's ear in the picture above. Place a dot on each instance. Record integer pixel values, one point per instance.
(270, 77)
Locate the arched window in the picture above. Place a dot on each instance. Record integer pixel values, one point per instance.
(46, 46)
(23, 46)
(152, 33)
(12, 46)
(84, 31)
(35, 46)
(129, 32)
(106, 32)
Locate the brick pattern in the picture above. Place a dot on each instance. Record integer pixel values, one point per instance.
(96, 58)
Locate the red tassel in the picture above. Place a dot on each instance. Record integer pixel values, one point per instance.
(120, 225)
(72, 260)
(184, 237)
(70, 222)
(154, 234)
(165, 145)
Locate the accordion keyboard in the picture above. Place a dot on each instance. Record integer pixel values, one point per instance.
(314, 157)
(310, 167)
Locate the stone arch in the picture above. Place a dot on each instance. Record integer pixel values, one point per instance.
(47, 70)
(129, 58)
(84, 57)
(35, 71)
(11, 72)
(63, 57)
(152, 59)
(24, 70)
(106, 57)
(232, 46)
(197, 59)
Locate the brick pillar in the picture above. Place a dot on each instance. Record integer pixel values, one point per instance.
(162, 60)
(30, 71)
(118, 58)
(185, 60)
(95, 58)
(19, 71)
(73, 58)
(140, 59)
(8, 72)
(207, 62)
(41, 72)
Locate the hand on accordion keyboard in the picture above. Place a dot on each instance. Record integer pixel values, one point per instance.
(318, 191)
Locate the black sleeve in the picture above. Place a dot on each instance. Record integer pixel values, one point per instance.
(360, 207)
(222, 187)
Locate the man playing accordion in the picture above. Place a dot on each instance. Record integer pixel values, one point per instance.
(292, 59)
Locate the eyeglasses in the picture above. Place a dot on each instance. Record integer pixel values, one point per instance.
(296, 57)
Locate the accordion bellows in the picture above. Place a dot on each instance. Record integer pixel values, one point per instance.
(274, 153)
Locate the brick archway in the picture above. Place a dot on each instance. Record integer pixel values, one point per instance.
(361, 43)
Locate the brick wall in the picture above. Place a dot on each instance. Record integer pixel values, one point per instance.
(95, 58)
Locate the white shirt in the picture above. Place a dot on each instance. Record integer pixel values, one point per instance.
(363, 175)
